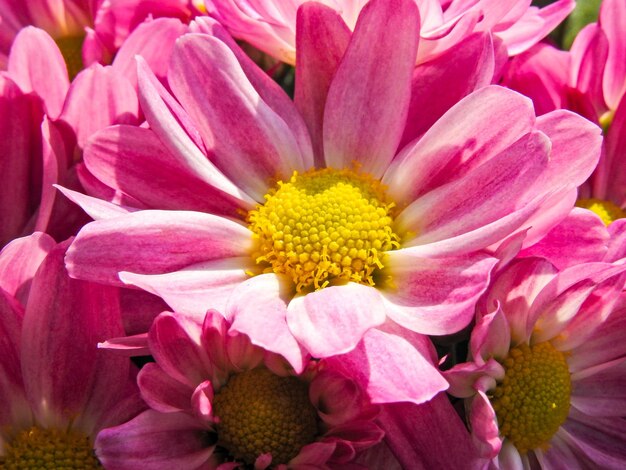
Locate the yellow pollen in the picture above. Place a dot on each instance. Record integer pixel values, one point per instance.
(258, 412)
(606, 210)
(324, 226)
(533, 399)
(49, 449)
(72, 50)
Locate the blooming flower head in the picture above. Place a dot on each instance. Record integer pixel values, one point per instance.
(270, 25)
(217, 398)
(318, 247)
(544, 385)
(590, 79)
(58, 391)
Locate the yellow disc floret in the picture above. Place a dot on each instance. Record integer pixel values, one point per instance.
(259, 412)
(323, 226)
(533, 399)
(606, 210)
(49, 449)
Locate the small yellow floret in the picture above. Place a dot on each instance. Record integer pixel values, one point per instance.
(49, 449)
(260, 412)
(324, 225)
(533, 399)
(606, 210)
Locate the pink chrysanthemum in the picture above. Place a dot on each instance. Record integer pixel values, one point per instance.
(545, 385)
(270, 25)
(319, 247)
(57, 390)
(218, 401)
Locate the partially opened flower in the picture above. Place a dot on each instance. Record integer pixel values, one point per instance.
(590, 80)
(270, 25)
(58, 390)
(318, 248)
(544, 387)
(217, 398)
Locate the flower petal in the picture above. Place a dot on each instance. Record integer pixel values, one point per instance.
(162, 392)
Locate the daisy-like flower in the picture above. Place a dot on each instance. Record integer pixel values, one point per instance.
(319, 247)
(591, 80)
(544, 387)
(270, 25)
(86, 31)
(217, 398)
(57, 389)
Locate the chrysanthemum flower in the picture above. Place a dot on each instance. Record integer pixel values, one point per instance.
(57, 390)
(319, 248)
(270, 25)
(86, 31)
(545, 381)
(217, 398)
(590, 80)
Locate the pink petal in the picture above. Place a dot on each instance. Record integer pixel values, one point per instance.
(36, 65)
(366, 108)
(133, 160)
(392, 368)
(601, 390)
(153, 242)
(435, 295)
(334, 319)
(65, 374)
(94, 207)
(135, 345)
(321, 41)
(612, 20)
(196, 288)
(589, 53)
(246, 139)
(201, 400)
(617, 243)
(99, 97)
(258, 308)
(436, 87)
(615, 160)
(19, 261)
(484, 424)
(491, 337)
(162, 392)
(486, 194)
(420, 436)
(155, 441)
(581, 238)
(475, 130)
(599, 439)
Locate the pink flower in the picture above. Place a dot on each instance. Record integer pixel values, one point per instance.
(58, 391)
(215, 398)
(86, 31)
(591, 80)
(270, 25)
(544, 385)
(399, 236)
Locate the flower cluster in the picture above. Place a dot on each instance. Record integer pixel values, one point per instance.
(334, 234)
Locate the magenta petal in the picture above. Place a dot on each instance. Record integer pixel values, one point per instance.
(334, 319)
(258, 308)
(491, 337)
(617, 243)
(65, 374)
(19, 261)
(599, 439)
(36, 64)
(615, 152)
(420, 436)
(94, 207)
(435, 295)
(153, 242)
(134, 161)
(612, 20)
(321, 41)
(161, 391)
(245, 137)
(99, 97)
(367, 106)
(392, 368)
(601, 390)
(196, 288)
(155, 441)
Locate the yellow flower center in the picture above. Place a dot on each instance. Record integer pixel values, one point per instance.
(72, 50)
(324, 226)
(49, 449)
(259, 412)
(607, 211)
(533, 399)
